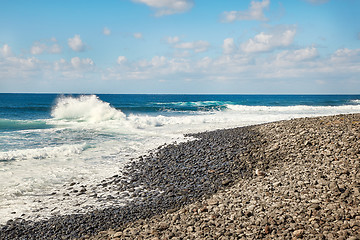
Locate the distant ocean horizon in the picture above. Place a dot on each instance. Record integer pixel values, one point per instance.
(48, 140)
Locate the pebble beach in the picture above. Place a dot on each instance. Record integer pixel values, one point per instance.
(295, 179)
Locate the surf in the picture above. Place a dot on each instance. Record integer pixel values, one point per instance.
(86, 108)
(14, 125)
(86, 138)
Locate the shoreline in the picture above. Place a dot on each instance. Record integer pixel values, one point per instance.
(179, 178)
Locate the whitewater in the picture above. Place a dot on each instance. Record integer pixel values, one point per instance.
(50, 141)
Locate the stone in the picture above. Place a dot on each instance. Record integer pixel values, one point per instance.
(117, 234)
(267, 229)
(163, 226)
(182, 187)
(213, 202)
(298, 233)
(226, 182)
(203, 209)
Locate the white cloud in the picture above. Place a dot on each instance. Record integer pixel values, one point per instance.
(138, 35)
(55, 48)
(158, 61)
(79, 63)
(155, 62)
(299, 70)
(264, 42)
(60, 65)
(13, 67)
(37, 48)
(157, 67)
(197, 46)
(76, 44)
(5, 51)
(229, 46)
(75, 64)
(40, 48)
(23, 63)
(121, 60)
(255, 12)
(298, 55)
(172, 40)
(205, 63)
(346, 55)
(232, 68)
(106, 31)
(76, 68)
(168, 7)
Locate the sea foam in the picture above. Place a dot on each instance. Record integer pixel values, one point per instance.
(95, 113)
(90, 140)
(46, 152)
(87, 108)
(356, 101)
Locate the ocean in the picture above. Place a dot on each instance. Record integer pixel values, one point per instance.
(50, 140)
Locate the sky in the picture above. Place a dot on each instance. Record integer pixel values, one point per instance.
(180, 46)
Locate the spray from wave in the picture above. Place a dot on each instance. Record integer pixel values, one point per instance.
(93, 112)
(87, 139)
(355, 101)
(86, 108)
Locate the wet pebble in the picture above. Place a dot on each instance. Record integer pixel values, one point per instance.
(253, 182)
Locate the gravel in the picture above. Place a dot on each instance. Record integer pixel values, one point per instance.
(285, 180)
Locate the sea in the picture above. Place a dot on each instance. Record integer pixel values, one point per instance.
(50, 140)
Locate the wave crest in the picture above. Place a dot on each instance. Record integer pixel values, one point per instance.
(87, 108)
(355, 101)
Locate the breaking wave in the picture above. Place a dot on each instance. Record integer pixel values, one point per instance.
(90, 109)
(87, 108)
(355, 101)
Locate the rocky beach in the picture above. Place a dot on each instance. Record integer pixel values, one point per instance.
(283, 180)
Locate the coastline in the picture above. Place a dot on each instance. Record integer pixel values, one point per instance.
(296, 178)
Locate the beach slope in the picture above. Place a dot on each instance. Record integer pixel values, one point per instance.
(283, 180)
(305, 184)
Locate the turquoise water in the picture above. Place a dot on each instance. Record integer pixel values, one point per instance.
(39, 106)
(48, 140)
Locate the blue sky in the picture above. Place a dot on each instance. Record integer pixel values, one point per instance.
(180, 46)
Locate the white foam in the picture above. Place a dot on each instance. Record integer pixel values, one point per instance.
(46, 152)
(198, 103)
(356, 101)
(83, 111)
(161, 125)
(28, 176)
(298, 109)
(90, 140)
(87, 108)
